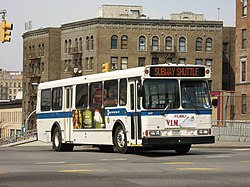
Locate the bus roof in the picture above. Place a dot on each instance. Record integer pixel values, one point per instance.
(131, 72)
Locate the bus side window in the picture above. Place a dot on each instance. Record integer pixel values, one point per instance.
(46, 100)
(96, 94)
(82, 96)
(57, 95)
(111, 93)
(123, 92)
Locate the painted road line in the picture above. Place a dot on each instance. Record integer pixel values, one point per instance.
(178, 163)
(198, 169)
(241, 149)
(80, 171)
(245, 161)
(78, 164)
(219, 156)
(49, 163)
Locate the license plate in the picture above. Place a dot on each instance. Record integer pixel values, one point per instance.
(175, 132)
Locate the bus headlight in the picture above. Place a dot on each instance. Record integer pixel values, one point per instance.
(154, 133)
(204, 131)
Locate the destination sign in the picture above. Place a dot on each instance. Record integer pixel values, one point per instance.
(177, 72)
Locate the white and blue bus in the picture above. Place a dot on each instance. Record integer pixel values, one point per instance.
(160, 106)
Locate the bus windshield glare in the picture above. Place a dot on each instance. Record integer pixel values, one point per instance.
(162, 94)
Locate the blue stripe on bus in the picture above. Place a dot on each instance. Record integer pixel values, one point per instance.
(51, 115)
(123, 112)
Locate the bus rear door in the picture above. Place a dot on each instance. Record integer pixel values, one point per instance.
(135, 114)
(68, 126)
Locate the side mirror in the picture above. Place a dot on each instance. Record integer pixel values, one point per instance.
(215, 102)
(140, 90)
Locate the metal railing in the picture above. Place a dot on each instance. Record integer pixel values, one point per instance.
(234, 129)
(29, 135)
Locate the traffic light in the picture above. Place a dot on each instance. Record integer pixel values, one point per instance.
(105, 67)
(4, 31)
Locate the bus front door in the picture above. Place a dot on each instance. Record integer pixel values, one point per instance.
(135, 117)
(68, 126)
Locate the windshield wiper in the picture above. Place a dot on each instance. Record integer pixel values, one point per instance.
(165, 109)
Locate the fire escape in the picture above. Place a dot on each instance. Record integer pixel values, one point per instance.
(77, 61)
(164, 56)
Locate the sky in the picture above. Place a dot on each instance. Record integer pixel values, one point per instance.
(54, 13)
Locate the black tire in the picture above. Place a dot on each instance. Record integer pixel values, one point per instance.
(57, 142)
(120, 140)
(182, 149)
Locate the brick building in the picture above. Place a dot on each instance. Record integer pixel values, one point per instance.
(126, 41)
(41, 62)
(242, 78)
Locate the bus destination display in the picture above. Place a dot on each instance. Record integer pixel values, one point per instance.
(177, 71)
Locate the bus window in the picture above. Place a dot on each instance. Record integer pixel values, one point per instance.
(96, 94)
(57, 99)
(123, 92)
(111, 93)
(68, 97)
(160, 94)
(82, 96)
(46, 100)
(132, 100)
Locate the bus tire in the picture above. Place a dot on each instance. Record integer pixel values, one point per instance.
(120, 140)
(57, 140)
(182, 149)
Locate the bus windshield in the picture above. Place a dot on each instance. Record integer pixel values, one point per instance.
(165, 94)
(161, 94)
(195, 95)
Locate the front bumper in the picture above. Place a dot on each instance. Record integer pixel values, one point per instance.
(158, 141)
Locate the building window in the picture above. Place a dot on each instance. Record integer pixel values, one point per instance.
(198, 44)
(66, 65)
(155, 60)
(141, 61)
(89, 63)
(114, 63)
(182, 60)
(76, 45)
(114, 42)
(243, 71)
(243, 103)
(244, 39)
(155, 43)
(198, 61)
(80, 44)
(168, 44)
(124, 42)
(208, 62)
(91, 45)
(87, 43)
(142, 43)
(209, 43)
(70, 47)
(65, 46)
(244, 7)
(225, 47)
(182, 44)
(42, 67)
(124, 63)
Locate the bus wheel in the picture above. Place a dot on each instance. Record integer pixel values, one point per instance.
(120, 140)
(182, 149)
(57, 140)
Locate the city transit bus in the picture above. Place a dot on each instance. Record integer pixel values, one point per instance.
(163, 106)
